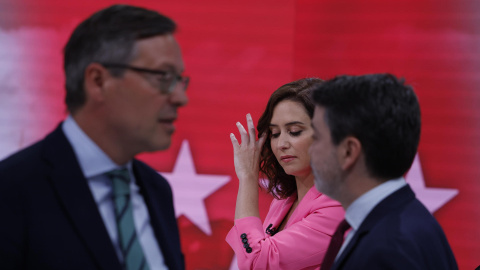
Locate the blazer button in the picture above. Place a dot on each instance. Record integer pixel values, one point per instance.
(246, 245)
(249, 250)
(245, 240)
(243, 236)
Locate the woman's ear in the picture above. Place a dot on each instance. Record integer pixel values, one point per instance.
(349, 152)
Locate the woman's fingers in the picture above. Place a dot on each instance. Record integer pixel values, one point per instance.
(243, 134)
(261, 140)
(234, 141)
(246, 152)
(251, 128)
(249, 136)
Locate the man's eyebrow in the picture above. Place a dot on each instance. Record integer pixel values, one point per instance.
(169, 67)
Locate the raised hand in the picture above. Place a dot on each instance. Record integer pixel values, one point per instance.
(247, 153)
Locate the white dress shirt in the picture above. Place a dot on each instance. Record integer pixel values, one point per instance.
(363, 205)
(94, 164)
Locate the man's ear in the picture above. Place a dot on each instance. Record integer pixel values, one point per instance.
(95, 78)
(349, 152)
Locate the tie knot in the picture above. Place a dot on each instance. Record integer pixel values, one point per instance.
(120, 174)
(120, 181)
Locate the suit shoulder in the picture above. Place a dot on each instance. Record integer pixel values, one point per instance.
(19, 171)
(416, 234)
(413, 221)
(416, 213)
(23, 160)
(321, 202)
(140, 165)
(148, 172)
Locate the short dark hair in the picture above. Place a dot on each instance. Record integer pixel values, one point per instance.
(381, 112)
(279, 183)
(109, 35)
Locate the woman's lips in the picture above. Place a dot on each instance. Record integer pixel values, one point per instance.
(287, 159)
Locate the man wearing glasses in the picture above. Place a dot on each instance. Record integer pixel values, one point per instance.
(78, 199)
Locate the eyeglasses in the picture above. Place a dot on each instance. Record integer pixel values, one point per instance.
(165, 81)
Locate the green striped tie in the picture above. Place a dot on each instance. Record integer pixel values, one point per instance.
(133, 256)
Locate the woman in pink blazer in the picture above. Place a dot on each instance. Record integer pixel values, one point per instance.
(300, 221)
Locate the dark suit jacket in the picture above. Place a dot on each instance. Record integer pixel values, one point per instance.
(49, 219)
(399, 233)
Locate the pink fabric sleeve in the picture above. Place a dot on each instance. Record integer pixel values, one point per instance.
(302, 245)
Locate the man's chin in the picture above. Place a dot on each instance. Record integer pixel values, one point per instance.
(164, 146)
(160, 146)
(321, 187)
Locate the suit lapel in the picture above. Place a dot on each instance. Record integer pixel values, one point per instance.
(75, 195)
(388, 205)
(299, 212)
(287, 205)
(160, 208)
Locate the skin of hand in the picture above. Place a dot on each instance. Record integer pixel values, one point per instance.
(246, 160)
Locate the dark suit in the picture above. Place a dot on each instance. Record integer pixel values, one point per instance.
(49, 219)
(399, 233)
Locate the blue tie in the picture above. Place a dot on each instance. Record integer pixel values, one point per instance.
(133, 256)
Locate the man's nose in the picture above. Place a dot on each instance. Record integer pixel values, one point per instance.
(179, 96)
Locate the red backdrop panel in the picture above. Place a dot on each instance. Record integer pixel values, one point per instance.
(238, 53)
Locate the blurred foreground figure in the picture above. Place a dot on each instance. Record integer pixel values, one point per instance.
(366, 134)
(78, 199)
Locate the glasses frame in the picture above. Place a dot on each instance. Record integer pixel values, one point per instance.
(184, 80)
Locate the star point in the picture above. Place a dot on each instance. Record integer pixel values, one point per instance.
(432, 198)
(191, 189)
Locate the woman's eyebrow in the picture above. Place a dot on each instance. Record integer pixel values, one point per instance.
(289, 124)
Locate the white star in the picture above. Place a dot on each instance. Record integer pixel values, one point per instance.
(432, 198)
(190, 189)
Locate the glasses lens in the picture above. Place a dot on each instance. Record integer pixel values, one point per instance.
(178, 81)
(166, 85)
(185, 81)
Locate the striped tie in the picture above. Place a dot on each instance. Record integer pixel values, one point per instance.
(133, 257)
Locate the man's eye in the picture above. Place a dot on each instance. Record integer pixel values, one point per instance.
(162, 77)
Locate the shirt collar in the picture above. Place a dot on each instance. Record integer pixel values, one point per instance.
(93, 161)
(364, 204)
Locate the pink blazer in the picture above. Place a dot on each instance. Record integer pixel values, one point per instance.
(302, 243)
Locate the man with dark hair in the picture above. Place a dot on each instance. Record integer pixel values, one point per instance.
(366, 134)
(79, 199)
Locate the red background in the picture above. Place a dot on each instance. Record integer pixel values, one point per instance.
(238, 52)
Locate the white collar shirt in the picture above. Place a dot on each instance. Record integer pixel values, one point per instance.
(363, 205)
(94, 163)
